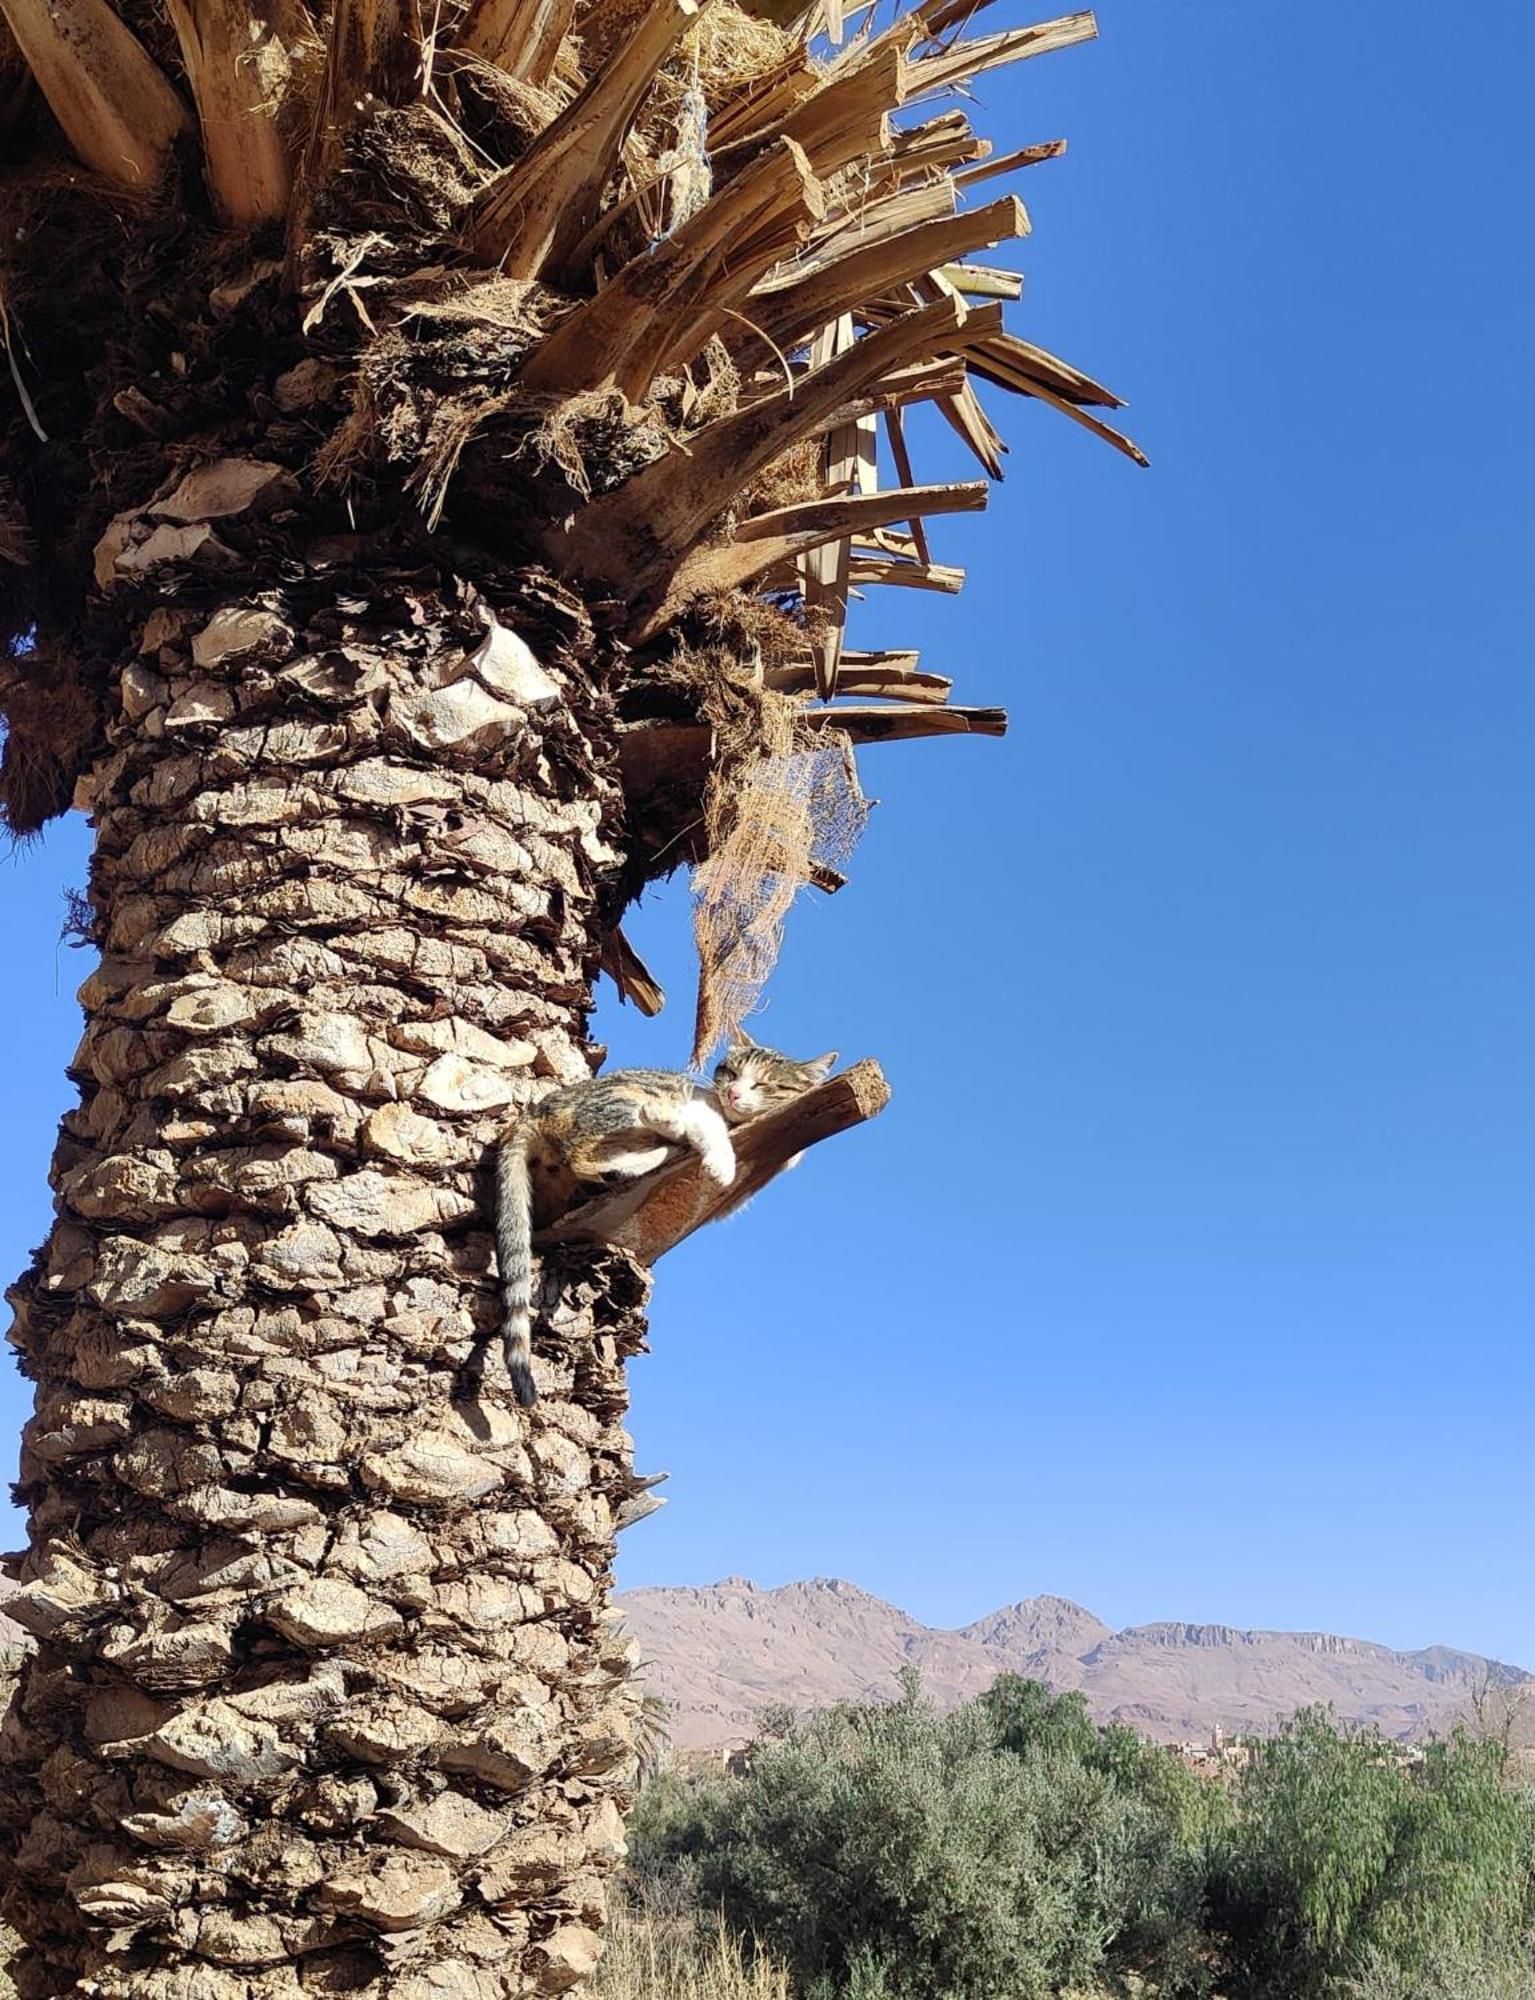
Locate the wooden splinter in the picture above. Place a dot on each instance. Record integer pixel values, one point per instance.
(539, 208)
(654, 1214)
(630, 974)
(769, 539)
(785, 311)
(671, 296)
(520, 36)
(115, 106)
(636, 535)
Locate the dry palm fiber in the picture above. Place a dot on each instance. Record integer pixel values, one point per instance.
(726, 48)
(781, 803)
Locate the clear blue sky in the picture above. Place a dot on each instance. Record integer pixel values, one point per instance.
(1190, 1273)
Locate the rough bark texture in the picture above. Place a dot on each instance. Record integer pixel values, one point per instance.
(324, 1698)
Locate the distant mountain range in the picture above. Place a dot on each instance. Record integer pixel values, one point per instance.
(719, 1654)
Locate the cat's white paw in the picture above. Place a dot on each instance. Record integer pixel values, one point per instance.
(718, 1162)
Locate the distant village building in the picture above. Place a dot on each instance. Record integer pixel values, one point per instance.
(1221, 1757)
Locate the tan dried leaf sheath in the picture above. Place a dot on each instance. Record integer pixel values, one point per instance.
(429, 498)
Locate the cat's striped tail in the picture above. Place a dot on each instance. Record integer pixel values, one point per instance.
(514, 1255)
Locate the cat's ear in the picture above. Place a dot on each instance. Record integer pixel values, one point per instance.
(824, 1065)
(740, 1041)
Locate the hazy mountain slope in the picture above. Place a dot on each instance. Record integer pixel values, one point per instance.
(721, 1653)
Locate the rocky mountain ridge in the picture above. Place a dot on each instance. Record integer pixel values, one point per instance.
(720, 1653)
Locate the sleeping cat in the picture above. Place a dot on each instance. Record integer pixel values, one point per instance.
(612, 1129)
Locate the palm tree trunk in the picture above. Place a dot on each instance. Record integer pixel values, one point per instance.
(324, 1698)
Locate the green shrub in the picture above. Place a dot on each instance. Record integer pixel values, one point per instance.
(1015, 1850)
(1343, 1860)
(893, 1854)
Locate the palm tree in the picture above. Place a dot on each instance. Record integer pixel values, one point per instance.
(438, 453)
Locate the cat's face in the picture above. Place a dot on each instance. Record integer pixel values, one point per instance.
(751, 1079)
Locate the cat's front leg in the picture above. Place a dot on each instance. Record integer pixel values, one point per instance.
(696, 1123)
(709, 1136)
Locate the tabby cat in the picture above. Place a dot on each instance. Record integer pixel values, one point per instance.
(611, 1129)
